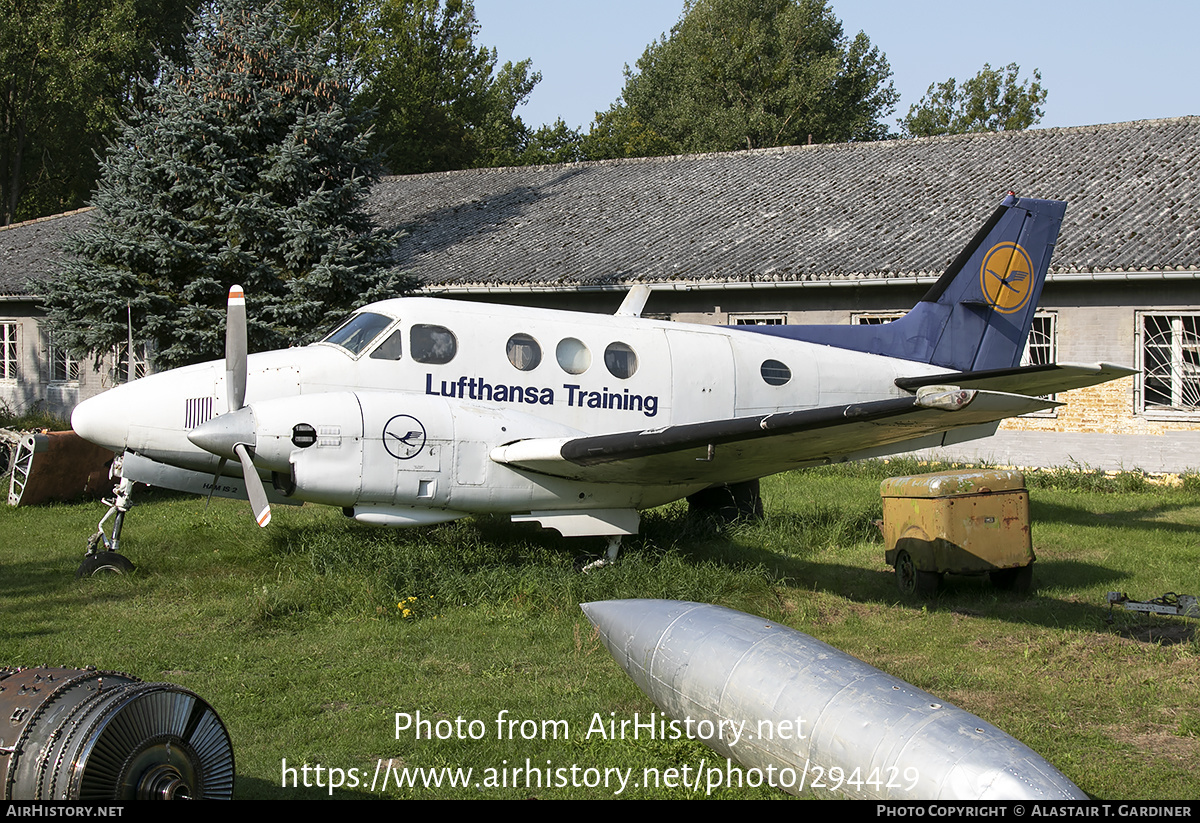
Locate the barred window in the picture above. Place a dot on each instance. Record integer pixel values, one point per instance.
(1039, 346)
(8, 351)
(63, 367)
(120, 368)
(1041, 349)
(876, 319)
(757, 320)
(1169, 348)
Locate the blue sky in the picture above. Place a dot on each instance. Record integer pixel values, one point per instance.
(1102, 61)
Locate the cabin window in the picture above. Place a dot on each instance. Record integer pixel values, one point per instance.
(432, 344)
(8, 351)
(573, 356)
(620, 360)
(390, 349)
(1169, 348)
(524, 352)
(775, 373)
(358, 331)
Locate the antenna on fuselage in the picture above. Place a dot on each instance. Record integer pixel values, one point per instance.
(634, 301)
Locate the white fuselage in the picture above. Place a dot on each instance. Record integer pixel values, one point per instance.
(402, 414)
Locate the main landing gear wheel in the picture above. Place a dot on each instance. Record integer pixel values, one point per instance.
(96, 563)
(585, 563)
(912, 581)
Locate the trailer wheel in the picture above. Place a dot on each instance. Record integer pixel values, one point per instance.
(912, 581)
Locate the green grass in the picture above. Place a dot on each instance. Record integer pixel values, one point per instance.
(298, 635)
(33, 418)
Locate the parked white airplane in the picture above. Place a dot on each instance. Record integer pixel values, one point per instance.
(418, 410)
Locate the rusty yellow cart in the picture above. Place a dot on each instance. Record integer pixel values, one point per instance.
(962, 522)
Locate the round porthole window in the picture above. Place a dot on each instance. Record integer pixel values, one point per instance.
(775, 373)
(573, 356)
(524, 352)
(620, 360)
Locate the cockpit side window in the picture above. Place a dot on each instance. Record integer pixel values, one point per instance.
(432, 344)
(390, 349)
(358, 331)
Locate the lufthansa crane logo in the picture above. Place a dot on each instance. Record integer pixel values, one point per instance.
(403, 437)
(1006, 277)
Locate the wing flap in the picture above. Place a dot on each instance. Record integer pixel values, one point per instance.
(747, 447)
(1034, 380)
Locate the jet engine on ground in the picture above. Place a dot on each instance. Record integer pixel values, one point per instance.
(93, 736)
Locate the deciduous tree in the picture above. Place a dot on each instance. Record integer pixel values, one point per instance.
(66, 69)
(245, 166)
(993, 100)
(439, 100)
(749, 74)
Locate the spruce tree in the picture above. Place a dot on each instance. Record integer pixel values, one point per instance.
(244, 166)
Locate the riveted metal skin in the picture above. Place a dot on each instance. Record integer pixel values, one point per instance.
(801, 708)
(101, 736)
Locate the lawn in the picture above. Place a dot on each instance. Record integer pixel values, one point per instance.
(316, 638)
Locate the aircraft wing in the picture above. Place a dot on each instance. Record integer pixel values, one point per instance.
(1047, 379)
(742, 448)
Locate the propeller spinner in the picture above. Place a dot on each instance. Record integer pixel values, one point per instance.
(233, 434)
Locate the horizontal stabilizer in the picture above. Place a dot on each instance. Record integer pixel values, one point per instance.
(1035, 380)
(742, 448)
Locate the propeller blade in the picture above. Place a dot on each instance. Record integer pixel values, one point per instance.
(235, 348)
(216, 478)
(254, 486)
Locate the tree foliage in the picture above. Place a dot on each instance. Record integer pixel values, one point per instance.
(439, 100)
(738, 74)
(245, 166)
(66, 68)
(993, 100)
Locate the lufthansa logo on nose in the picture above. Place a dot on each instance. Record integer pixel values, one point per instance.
(403, 437)
(1006, 277)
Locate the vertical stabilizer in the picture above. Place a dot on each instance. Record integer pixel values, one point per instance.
(977, 316)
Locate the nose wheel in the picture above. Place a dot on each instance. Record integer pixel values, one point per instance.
(102, 556)
(97, 563)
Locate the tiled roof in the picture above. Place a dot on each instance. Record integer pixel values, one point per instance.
(28, 249)
(859, 210)
(897, 208)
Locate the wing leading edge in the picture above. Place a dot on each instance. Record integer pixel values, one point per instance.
(743, 448)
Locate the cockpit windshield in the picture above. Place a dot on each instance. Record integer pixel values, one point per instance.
(358, 331)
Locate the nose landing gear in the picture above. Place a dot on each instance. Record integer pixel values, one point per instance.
(106, 560)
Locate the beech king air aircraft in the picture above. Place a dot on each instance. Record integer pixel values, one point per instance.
(418, 410)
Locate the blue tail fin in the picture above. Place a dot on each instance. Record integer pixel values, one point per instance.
(978, 314)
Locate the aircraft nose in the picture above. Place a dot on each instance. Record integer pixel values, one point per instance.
(102, 420)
